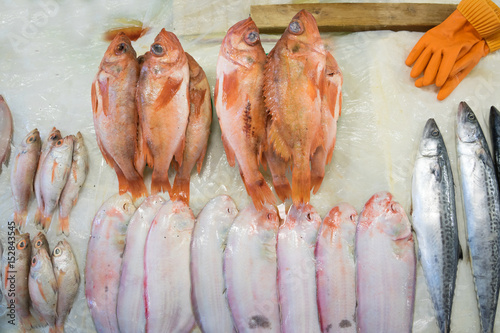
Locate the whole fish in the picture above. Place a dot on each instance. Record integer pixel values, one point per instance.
(198, 129)
(43, 287)
(115, 113)
(23, 174)
(330, 112)
(53, 137)
(297, 271)
(210, 306)
(435, 221)
(482, 212)
(104, 260)
(163, 105)
(68, 280)
(167, 285)
(78, 173)
(495, 137)
(250, 270)
(38, 242)
(54, 174)
(130, 309)
(336, 270)
(293, 86)
(15, 272)
(6, 129)
(239, 103)
(385, 267)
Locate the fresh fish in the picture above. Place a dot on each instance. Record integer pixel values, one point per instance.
(130, 309)
(293, 85)
(495, 137)
(68, 279)
(78, 173)
(336, 270)
(104, 260)
(6, 129)
(115, 113)
(435, 221)
(53, 137)
(38, 242)
(163, 105)
(482, 212)
(22, 175)
(167, 284)
(15, 272)
(210, 306)
(330, 112)
(43, 287)
(250, 270)
(239, 103)
(297, 271)
(198, 129)
(54, 174)
(385, 267)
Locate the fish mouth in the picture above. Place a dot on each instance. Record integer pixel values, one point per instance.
(244, 25)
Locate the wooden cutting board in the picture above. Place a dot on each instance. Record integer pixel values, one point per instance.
(351, 17)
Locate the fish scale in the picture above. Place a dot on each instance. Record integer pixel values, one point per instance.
(435, 221)
(482, 210)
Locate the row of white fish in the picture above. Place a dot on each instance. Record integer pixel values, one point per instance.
(39, 288)
(157, 268)
(55, 170)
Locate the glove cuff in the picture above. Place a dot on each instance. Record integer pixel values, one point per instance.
(493, 41)
(482, 14)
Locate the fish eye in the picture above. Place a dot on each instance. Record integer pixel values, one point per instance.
(57, 252)
(33, 261)
(59, 143)
(435, 133)
(352, 218)
(21, 245)
(471, 116)
(252, 38)
(53, 137)
(31, 139)
(121, 48)
(157, 50)
(38, 243)
(394, 208)
(308, 217)
(295, 28)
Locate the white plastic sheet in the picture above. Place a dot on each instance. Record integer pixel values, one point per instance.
(50, 54)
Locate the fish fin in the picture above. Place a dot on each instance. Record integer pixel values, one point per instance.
(160, 182)
(262, 159)
(278, 144)
(63, 227)
(270, 86)
(135, 186)
(180, 189)
(46, 220)
(229, 151)
(20, 219)
(278, 171)
(93, 94)
(301, 180)
(179, 153)
(317, 169)
(199, 163)
(38, 217)
(104, 92)
(196, 98)
(170, 88)
(174, 165)
(259, 192)
(230, 83)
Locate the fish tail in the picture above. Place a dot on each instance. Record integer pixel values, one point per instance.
(259, 192)
(160, 182)
(38, 218)
(180, 189)
(30, 322)
(53, 329)
(63, 227)
(301, 181)
(46, 220)
(282, 188)
(20, 219)
(59, 328)
(135, 185)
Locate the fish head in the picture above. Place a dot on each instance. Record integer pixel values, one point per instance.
(39, 241)
(304, 217)
(54, 136)
(61, 252)
(302, 34)
(341, 216)
(227, 204)
(387, 216)
(65, 144)
(23, 245)
(468, 128)
(38, 261)
(432, 143)
(78, 145)
(166, 50)
(242, 44)
(119, 53)
(268, 217)
(32, 140)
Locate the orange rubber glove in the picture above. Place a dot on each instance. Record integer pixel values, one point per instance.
(437, 51)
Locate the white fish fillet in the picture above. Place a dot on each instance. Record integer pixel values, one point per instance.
(210, 306)
(336, 270)
(250, 270)
(104, 260)
(130, 310)
(166, 261)
(385, 267)
(297, 271)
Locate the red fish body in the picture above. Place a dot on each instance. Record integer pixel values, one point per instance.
(240, 106)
